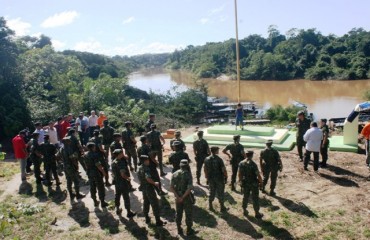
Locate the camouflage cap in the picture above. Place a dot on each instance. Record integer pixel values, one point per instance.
(128, 123)
(144, 157)
(300, 113)
(269, 141)
(184, 162)
(117, 151)
(90, 144)
(236, 137)
(176, 143)
(96, 131)
(151, 114)
(116, 135)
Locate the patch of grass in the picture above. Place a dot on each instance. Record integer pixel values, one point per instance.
(367, 233)
(8, 169)
(341, 212)
(309, 235)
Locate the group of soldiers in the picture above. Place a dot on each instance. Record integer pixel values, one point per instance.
(145, 161)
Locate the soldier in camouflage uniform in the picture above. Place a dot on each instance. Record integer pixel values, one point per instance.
(216, 175)
(201, 151)
(70, 163)
(144, 149)
(116, 144)
(324, 143)
(148, 186)
(95, 172)
(302, 124)
(178, 138)
(48, 152)
(156, 142)
(122, 179)
(107, 133)
(76, 147)
(237, 155)
(250, 179)
(36, 157)
(176, 157)
(181, 186)
(129, 144)
(100, 151)
(270, 163)
(149, 122)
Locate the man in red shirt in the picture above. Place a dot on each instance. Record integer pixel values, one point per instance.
(20, 152)
(64, 126)
(366, 133)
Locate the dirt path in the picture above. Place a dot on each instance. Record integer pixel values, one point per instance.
(333, 204)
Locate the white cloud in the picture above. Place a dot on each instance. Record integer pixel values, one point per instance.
(136, 49)
(128, 20)
(216, 10)
(58, 45)
(89, 46)
(60, 19)
(204, 20)
(20, 27)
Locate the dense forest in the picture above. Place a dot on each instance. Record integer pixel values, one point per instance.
(39, 84)
(297, 54)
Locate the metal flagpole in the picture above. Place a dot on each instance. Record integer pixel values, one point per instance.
(237, 49)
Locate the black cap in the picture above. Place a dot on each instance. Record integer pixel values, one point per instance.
(105, 121)
(200, 132)
(269, 141)
(236, 137)
(143, 138)
(214, 148)
(151, 114)
(324, 120)
(177, 133)
(249, 153)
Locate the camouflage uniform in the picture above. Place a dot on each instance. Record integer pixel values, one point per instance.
(107, 134)
(113, 146)
(156, 147)
(130, 147)
(76, 149)
(175, 159)
(215, 168)
(143, 150)
(249, 172)
(148, 124)
(70, 168)
(200, 147)
(237, 155)
(182, 181)
(149, 194)
(93, 160)
(101, 155)
(36, 160)
(122, 185)
(270, 165)
(324, 147)
(302, 127)
(181, 146)
(49, 150)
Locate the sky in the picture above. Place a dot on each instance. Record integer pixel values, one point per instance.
(131, 27)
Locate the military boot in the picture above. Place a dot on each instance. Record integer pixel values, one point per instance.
(233, 187)
(245, 212)
(96, 202)
(159, 222)
(263, 189)
(272, 192)
(210, 206)
(80, 195)
(198, 180)
(147, 219)
(179, 230)
(259, 215)
(223, 208)
(118, 210)
(72, 196)
(130, 214)
(104, 204)
(189, 231)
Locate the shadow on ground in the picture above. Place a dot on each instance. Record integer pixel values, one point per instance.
(80, 213)
(271, 230)
(241, 225)
(341, 181)
(299, 208)
(107, 221)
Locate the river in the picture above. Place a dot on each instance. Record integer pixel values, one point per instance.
(326, 99)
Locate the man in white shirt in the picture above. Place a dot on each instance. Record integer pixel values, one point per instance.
(82, 123)
(313, 138)
(53, 134)
(93, 123)
(40, 131)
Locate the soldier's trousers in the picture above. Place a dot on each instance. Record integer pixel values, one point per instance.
(324, 153)
(234, 168)
(247, 190)
(132, 156)
(106, 168)
(266, 175)
(122, 189)
(150, 199)
(106, 151)
(51, 167)
(216, 188)
(307, 157)
(156, 178)
(37, 168)
(96, 183)
(300, 144)
(186, 206)
(72, 177)
(159, 155)
(81, 161)
(200, 162)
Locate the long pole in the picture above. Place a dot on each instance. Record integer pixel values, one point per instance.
(237, 49)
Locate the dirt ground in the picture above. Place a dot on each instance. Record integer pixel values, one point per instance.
(331, 204)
